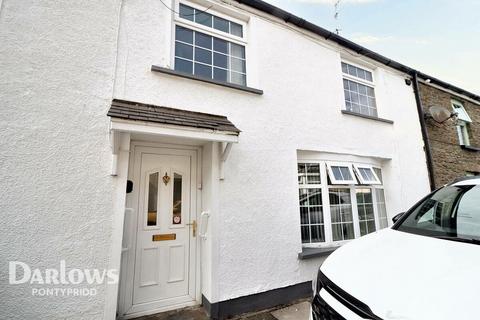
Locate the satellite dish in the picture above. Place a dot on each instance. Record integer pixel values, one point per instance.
(440, 114)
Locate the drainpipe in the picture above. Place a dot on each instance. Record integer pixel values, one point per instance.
(426, 142)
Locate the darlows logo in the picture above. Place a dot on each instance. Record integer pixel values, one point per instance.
(22, 273)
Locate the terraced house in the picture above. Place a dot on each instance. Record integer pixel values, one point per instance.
(454, 143)
(213, 152)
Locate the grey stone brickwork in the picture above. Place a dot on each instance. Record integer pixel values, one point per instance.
(450, 160)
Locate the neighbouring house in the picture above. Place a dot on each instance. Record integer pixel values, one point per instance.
(455, 143)
(215, 153)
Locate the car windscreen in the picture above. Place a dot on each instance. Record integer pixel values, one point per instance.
(452, 212)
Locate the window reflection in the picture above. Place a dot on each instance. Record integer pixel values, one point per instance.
(152, 199)
(365, 211)
(177, 198)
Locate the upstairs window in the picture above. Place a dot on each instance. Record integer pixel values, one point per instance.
(211, 21)
(463, 123)
(209, 46)
(359, 90)
(462, 114)
(463, 133)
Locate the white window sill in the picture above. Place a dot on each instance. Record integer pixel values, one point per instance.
(310, 253)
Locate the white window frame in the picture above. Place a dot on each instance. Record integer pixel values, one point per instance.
(463, 114)
(335, 181)
(463, 121)
(191, 25)
(375, 200)
(361, 178)
(376, 216)
(325, 187)
(353, 204)
(321, 186)
(356, 79)
(462, 131)
(210, 30)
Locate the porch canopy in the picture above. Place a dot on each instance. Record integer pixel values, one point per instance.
(146, 119)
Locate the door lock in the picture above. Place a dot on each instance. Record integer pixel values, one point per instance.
(194, 227)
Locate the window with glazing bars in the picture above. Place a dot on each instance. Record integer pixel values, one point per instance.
(311, 206)
(206, 54)
(209, 20)
(210, 57)
(351, 208)
(358, 90)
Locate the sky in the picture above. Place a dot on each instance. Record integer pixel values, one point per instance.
(438, 37)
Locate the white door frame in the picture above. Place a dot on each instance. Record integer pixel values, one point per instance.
(125, 298)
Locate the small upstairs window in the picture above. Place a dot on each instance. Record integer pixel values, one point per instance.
(463, 123)
(462, 114)
(209, 46)
(463, 133)
(359, 91)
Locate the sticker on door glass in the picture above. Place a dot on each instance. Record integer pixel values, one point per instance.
(177, 198)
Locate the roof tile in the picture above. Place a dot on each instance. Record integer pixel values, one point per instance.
(130, 110)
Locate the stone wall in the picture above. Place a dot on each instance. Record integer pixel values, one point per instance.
(450, 159)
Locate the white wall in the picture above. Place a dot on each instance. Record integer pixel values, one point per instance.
(57, 63)
(258, 219)
(56, 82)
(209, 253)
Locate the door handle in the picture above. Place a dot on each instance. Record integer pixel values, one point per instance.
(194, 227)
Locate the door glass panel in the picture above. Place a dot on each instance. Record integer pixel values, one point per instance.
(177, 198)
(152, 199)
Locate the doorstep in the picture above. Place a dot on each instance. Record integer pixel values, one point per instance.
(189, 313)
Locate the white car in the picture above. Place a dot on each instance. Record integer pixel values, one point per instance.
(426, 266)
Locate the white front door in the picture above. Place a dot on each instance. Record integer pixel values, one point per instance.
(162, 269)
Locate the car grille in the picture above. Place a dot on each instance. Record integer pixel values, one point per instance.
(322, 311)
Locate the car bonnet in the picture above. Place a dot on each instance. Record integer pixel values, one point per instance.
(406, 276)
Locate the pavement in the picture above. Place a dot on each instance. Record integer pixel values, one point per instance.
(296, 311)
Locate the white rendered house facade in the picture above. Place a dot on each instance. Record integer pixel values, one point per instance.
(322, 145)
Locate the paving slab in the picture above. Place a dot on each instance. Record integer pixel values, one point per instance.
(193, 313)
(299, 311)
(257, 316)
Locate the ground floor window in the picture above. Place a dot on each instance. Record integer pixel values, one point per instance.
(336, 206)
(341, 214)
(366, 217)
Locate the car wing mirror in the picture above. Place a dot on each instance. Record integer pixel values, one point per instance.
(398, 216)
